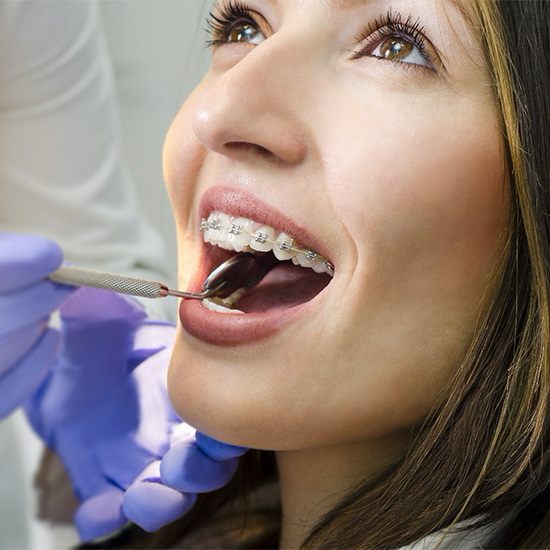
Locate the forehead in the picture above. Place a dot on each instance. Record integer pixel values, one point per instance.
(463, 7)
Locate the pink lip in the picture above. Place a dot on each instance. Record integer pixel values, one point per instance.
(231, 329)
(234, 329)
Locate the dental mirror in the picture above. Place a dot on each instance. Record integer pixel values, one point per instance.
(240, 271)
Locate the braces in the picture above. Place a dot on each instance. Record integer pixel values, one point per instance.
(260, 237)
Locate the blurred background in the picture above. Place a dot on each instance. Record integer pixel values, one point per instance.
(158, 53)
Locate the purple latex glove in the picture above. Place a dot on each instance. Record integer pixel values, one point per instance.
(27, 346)
(104, 409)
(103, 406)
(166, 490)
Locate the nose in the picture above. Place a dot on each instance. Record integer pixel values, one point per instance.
(254, 107)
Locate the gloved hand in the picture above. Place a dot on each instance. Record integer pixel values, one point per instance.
(27, 346)
(104, 409)
(167, 488)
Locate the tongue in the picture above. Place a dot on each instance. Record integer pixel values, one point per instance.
(285, 286)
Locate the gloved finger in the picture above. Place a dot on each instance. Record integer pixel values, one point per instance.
(100, 515)
(181, 432)
(218, 449)
(122, 458)
(95, 306)
(31, 304)
(14, 345)
(151, 505)
(151, 337)
(144, 428)
(98, 328)
(20, 381)
(161, 333)
(26, 259)
(157, 414)
(186, 468)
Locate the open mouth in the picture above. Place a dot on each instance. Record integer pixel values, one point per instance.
(293, 274)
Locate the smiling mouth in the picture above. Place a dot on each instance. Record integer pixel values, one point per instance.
(294, 274)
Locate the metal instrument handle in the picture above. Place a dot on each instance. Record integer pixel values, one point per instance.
(123, 284)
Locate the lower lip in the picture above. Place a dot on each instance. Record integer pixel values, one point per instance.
(232, 329)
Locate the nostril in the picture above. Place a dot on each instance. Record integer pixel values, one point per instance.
(264, 151)
(247, 146)
(244, 145)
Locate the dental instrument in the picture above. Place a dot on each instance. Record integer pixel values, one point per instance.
(241, 270)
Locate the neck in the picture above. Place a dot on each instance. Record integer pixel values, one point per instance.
(313, 481)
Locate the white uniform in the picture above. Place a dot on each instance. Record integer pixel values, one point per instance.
(61, 171)
(62, 176)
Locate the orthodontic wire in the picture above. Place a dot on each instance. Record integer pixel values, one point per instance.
(288, 246)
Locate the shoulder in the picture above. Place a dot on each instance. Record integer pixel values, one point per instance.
(465, 536)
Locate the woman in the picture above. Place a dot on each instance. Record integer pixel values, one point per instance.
(402, 150)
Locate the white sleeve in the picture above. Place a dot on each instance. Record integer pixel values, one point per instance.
(61, 168)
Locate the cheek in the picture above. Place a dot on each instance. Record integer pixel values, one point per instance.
(181, 160)
(426, 208)
(426, 200)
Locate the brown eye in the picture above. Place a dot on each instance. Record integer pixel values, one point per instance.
(246, 33)
(234, 23)
(395, 48)
(398, 49)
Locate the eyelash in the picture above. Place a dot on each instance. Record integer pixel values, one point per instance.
(392, 24)
(219, 26)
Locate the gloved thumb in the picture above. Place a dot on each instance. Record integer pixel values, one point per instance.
(98, 329)
(188, 469)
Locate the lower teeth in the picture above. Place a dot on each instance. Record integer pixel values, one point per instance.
(217, 304)
(225, 305)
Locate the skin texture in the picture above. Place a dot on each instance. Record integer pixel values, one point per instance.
(398, 170)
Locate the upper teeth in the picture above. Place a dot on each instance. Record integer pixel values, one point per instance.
(243, 234)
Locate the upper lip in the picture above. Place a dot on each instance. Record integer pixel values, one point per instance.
(242, 204)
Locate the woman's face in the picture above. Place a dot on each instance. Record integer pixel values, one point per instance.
(367, 132)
